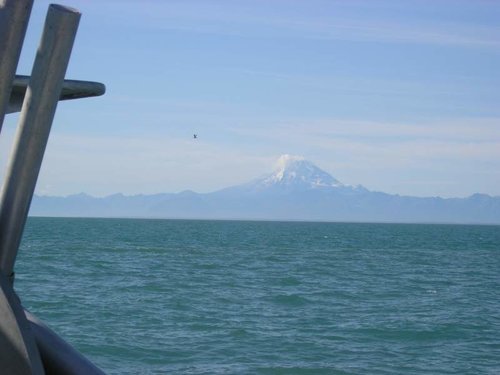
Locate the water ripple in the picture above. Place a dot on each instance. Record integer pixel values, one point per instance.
(205, 297)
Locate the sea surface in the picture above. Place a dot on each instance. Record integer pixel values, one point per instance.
(236, 297)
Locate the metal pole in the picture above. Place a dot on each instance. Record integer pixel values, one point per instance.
(34, 126)
(14, 16)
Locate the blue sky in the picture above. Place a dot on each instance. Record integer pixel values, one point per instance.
(398, 96)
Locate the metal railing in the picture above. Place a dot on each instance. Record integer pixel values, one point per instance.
(27, 346)
(14, 16)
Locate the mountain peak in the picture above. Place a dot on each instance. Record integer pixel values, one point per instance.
(296, 172)
(286, 161)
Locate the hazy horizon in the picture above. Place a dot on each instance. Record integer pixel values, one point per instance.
(400, 97)
(276, 168)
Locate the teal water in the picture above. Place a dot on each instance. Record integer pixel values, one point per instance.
(229, 297)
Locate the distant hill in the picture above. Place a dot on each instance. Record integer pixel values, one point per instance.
(297, 190)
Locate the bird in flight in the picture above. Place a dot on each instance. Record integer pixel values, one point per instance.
(195, 136)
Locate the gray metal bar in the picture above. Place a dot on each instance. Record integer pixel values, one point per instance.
(57, 355)
(71, 89)
(14, 17)
(34, 126)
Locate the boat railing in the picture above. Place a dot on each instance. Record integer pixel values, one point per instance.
(27, 346)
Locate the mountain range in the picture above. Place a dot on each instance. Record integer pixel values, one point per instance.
(296, 190)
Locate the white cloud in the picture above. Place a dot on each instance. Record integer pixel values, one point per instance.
(381, 155)
(464, 154)
(456, 157)
(472, 130)
(285, 159)
(298, 20)
(107, 165)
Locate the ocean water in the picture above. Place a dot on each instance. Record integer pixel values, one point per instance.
(234, 297)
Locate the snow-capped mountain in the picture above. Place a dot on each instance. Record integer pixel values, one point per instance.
(296, 190)
(294, 171)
